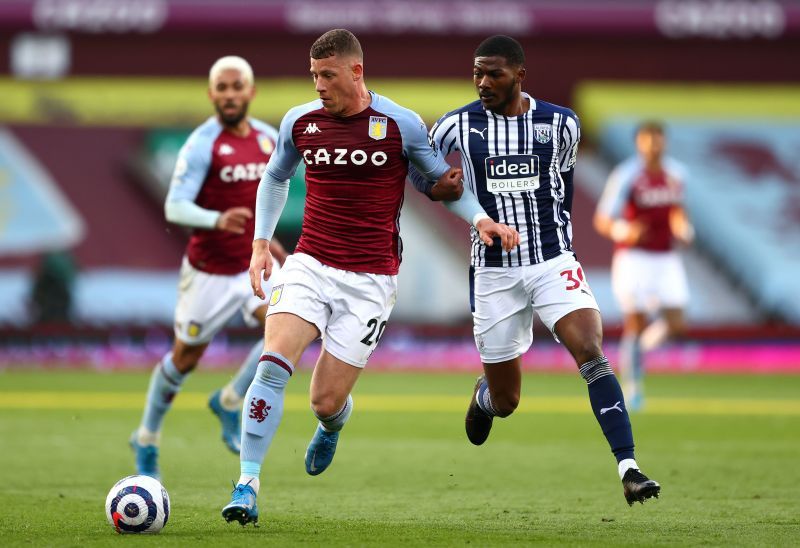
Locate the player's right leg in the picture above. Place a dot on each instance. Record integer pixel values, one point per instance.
(286, 337)
(205, 303)
(496, 394)
(165, 383)
(502, 327)
(298, 313)
(226, 403)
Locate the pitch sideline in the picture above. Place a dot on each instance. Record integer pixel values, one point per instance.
(432, 403)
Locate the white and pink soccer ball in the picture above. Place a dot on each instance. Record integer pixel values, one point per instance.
(137, 504)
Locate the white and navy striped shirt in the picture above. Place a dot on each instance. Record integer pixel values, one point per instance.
(520, 168)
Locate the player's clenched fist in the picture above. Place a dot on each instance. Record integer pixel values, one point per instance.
(234, 219)
(489, 229)
(449, 187)
(260, 266)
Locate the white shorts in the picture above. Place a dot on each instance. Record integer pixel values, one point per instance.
(506, 297)
(350, 309)
(645, 281)
(207, 301)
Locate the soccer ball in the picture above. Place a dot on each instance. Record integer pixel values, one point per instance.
(137, 504)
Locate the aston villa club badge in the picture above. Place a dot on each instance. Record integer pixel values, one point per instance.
(377, 127)
(277, 292)
(266, 145)
(542, 132)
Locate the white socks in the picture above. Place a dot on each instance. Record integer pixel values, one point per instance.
(146, 437)
(229, 399)
(625, 465)
(253, 480)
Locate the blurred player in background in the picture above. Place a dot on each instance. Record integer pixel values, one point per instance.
(518, 155)
(642, 212)
(213, 191)
(341, 282)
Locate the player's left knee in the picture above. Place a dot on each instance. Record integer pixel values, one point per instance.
(505, 404)
(586, 351)
(325, 406)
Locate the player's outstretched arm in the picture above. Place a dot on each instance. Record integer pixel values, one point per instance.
(260, 266)
(488, 229)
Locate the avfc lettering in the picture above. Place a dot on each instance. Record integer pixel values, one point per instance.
(251, 171)
(343, 157)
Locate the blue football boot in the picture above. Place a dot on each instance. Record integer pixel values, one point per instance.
(243, 507)
(231, 423)
(320, 451)
(146, 458)
(635, 402)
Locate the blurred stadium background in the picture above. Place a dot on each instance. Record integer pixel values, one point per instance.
(97, 97)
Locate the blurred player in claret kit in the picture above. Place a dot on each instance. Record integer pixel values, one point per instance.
(518, 155)
(642, 212)
(213, 191)
(341, 282)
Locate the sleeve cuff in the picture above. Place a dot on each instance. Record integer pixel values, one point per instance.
(478, 218)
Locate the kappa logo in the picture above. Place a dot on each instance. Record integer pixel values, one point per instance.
(225, 149)
(312, 128)
(259, 409)
(543, 132)
(479, 132)
(616, 406)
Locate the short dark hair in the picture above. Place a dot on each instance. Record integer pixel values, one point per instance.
(337, 42)
(650, 126)
(503, 46)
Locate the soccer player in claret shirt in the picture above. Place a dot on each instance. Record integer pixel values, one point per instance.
(518, 155)
(213, 191)
(641, 211)
(340, 284)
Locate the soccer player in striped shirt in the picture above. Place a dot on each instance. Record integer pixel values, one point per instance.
(518, 157)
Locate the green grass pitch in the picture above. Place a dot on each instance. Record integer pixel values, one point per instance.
(725, 449)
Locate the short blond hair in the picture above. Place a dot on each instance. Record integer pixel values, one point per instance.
(231, 62)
